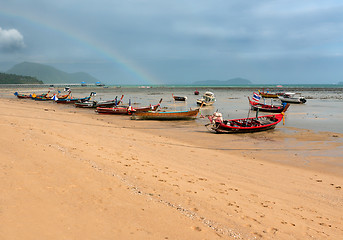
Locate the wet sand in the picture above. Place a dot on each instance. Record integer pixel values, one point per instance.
(69, 173)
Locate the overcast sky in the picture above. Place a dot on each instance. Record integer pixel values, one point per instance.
(178, 42)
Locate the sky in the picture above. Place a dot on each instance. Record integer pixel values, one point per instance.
(153, 42)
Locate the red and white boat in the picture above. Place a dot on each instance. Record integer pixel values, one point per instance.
(244, 125)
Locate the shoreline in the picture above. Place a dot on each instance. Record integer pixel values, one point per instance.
(202, 185)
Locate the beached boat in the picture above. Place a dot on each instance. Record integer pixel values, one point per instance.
(43, 97)
(179, 98)
(110, 103)
(63, 96)
(292, 98)
(127, 109)
(94, 104)
(207, 99)
(22, 96)
(86, 104)
(257, 106)
(244, 125)
(270, 95)
(162, 115)
(71, 100)
(32, 96)
(115, 110)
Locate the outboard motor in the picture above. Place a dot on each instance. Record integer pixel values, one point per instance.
(217, 117)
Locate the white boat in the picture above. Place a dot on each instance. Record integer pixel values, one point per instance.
(290, 97)
(207, 99)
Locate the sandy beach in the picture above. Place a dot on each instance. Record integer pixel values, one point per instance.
(70, 173)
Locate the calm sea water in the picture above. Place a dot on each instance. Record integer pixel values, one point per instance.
(323, 110)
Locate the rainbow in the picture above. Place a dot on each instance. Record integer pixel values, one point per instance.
(136, 71)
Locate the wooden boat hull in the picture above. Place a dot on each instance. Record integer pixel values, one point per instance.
(270, 95)
(23, 96)
(265, 107)
(300, 100)
(126, 109)
(244, 125)
(86, 104)
(72, 100)
(248, 125)
(114, 110)
(178, 98)
(146, 109)
(159, 115)
(31, 96)
(110, 103)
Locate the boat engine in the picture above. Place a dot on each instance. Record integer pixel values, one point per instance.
(217, 117)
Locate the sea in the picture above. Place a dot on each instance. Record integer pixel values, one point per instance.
(323, 110)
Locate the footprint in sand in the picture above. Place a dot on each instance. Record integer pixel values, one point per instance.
(258, 234)
(272, 230)
(196, 228)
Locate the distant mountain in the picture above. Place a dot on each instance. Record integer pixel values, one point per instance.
(6, 78)
(49, 74)
(230, 82)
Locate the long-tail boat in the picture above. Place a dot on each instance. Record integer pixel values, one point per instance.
(127, 109)
(22, 96)
(244, 125)
(86, 104)
(161, 115)
(292, 98)
(42, 97)
(70, 100)
(179, 98)
(94, 104)
(110, 103)
(32, 96)
(115, 110)
(270, 95)
(63, 96)
(257, 106)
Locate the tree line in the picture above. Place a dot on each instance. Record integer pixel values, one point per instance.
(6, 78)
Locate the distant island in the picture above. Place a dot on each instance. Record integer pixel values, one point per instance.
(340, 83)
(6, 78)
(50, 75)
(230, 82)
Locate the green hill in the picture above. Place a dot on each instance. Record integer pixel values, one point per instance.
(49, 74)
(230, 82)
(18, 79)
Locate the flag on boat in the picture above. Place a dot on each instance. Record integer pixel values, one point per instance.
(256, 97)
(55, 98)
(130, 108)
